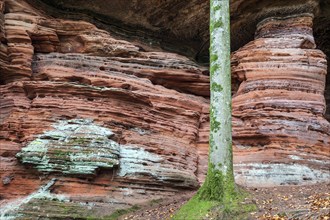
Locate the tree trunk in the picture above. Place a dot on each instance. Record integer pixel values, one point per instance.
(219, 183)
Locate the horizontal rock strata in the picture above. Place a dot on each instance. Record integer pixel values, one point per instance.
(279, 104)
(66, 83)
(90, 122)
(74, 147)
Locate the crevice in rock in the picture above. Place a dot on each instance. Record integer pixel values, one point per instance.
(30, 94)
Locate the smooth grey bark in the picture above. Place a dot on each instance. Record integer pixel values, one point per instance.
(220, 109)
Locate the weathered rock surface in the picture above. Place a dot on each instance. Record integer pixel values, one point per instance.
(74, 147)
(186, 22)
(72, 70)
(279, 104)
(90, 122)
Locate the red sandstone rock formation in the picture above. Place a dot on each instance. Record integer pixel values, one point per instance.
(55, 70)
(278, 110)
(63, 72)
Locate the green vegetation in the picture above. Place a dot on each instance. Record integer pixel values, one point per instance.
(79, 141)
(215, 125)
(54, 208)
(214, 68)
(216, 87)
(61, 153)
(218, 187)
(234, 207)
(195, 209)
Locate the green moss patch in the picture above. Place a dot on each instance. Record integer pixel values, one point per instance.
(218, 198)
(195, 209)
(45, 208)
(238, 208)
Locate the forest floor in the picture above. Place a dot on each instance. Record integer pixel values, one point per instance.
(273, 203)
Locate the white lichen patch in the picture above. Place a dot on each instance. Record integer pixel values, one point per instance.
(140, 131)
(325, 162)
(253, 174)
(80, 147)
(295, 157)
(73, 147)
(9, 210)
(135, 162)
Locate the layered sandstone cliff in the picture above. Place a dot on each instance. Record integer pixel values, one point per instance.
(279, 107)
(91, 122)
(90, 119)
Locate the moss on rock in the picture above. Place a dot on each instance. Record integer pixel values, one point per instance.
(77, 147)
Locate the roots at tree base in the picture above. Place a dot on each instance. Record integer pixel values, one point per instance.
(218, 198)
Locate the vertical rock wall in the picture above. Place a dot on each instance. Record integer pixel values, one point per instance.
(279, 107)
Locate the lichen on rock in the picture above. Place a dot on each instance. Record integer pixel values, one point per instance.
(75, 146)
(80, 147)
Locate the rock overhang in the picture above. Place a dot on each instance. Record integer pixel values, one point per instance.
(157, 24)
(182, 26)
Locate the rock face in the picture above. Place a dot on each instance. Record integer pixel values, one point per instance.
(279, 104)
(90, 123)
(76, 147)
(66, 87)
